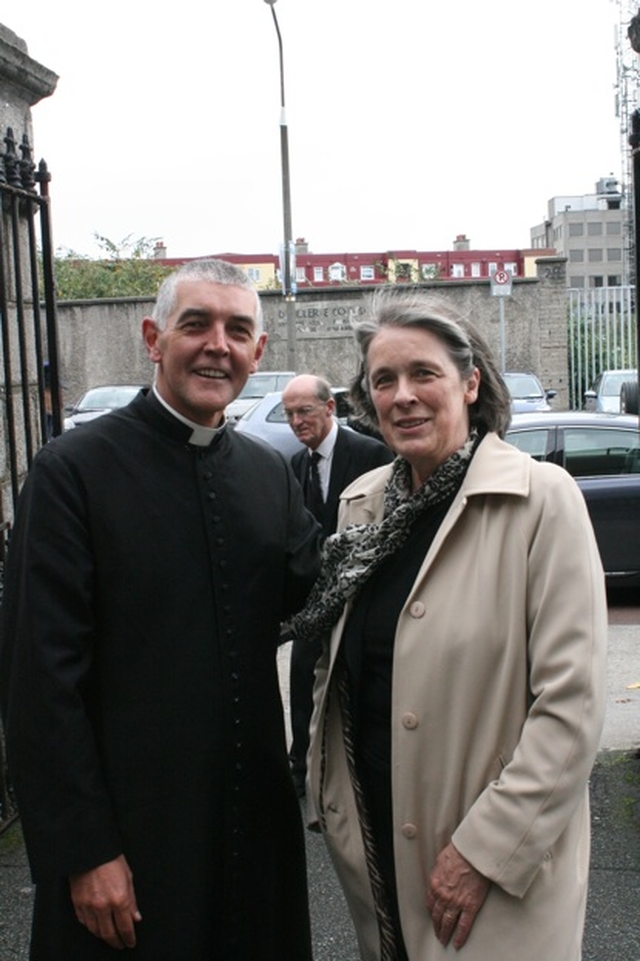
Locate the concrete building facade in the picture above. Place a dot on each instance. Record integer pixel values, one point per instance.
(591, 232)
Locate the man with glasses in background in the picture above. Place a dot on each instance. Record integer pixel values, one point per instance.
(335, 457)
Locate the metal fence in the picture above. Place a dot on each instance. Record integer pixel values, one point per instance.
(602, 336)
(30, 406)
(28, 339)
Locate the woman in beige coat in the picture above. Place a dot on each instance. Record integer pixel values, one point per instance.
(460, 702)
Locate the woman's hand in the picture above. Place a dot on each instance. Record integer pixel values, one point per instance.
(455, 894)
(105, 902)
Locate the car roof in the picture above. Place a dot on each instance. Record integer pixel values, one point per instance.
(573, 418)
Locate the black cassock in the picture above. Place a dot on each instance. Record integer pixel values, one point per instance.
(146, 582)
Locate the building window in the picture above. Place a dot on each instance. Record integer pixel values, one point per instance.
(614, 253)
(318, 274)
(595, 255)
(594, 229)
(337, 271)
(301, 275)
(613, 280)
(576, 230)
(614, 228)
(476, 270)
(253, 274)
(367, 273)
(430, 271)
(576, 282)
(512, 268)
(596, 281)
(457, 270)
(576, 256)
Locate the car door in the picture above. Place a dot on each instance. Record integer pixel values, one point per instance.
(604, 461)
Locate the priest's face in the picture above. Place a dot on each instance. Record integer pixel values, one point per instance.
(207, 349)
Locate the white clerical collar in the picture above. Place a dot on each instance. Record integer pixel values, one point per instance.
(201, 436)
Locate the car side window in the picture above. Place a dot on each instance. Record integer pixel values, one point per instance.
(277, 415)
(532, 442)
(592, 451)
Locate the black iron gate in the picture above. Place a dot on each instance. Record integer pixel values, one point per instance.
(30, 408)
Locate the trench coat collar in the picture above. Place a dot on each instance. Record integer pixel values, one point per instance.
(496, 468)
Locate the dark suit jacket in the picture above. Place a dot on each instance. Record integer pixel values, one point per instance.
(353, 455)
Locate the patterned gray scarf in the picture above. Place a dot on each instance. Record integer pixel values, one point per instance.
(352, 555)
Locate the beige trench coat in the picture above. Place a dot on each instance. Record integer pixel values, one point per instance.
(497, 708)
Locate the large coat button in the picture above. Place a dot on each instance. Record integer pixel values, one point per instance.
(409, 720)
(409, 830)
(417, 609)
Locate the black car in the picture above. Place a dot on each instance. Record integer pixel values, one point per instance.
(602, 452)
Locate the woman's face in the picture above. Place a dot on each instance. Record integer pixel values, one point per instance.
(420, 399)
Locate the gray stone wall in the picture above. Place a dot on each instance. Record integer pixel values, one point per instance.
(101, 342)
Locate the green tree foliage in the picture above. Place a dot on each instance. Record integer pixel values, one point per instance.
(127, 269)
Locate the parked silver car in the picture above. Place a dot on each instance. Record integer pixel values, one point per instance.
(267, 420)
(527, 393)
(97, 401)
(258, 385)
(604, 393)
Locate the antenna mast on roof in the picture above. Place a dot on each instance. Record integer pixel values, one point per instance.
(627, 90)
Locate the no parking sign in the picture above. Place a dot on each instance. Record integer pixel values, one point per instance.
(501, 283)
(501, 287)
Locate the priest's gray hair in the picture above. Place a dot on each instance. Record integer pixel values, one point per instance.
(211, 270)
(467, 348)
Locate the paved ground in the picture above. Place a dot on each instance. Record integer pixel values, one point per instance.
(612, 929)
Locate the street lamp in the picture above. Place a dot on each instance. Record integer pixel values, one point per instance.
(288, 287)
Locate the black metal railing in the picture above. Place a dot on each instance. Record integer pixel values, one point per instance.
(30, 400)
(29, 376)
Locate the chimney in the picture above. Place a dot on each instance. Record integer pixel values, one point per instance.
(461, 242)
(159, 250)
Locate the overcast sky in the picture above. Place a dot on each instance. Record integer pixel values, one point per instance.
(410, 121)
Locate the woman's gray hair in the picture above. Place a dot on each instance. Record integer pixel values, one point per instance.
(210, 270)
(467, 348)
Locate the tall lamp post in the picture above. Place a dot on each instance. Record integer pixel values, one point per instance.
(288, 251)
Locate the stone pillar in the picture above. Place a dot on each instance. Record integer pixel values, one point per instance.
(23, 82)
(553, 327)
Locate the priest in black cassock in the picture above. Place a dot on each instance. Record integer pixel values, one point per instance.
(154, 555)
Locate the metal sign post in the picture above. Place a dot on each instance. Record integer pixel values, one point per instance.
(501, 287)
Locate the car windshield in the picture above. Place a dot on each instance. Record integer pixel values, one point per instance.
(523, 385)
(258, 385)
(99, 398)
